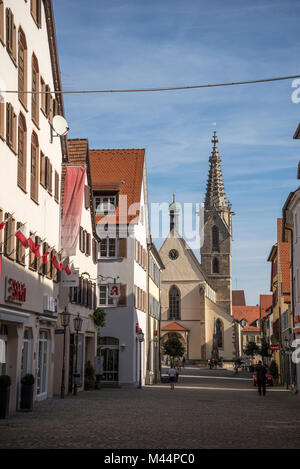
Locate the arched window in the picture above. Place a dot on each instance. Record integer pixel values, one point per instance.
(219, 333)
(174, 303)
(215, 266)
(34, 167)
(35, 90)
(22, 67)
(215, 238)
(22, 152)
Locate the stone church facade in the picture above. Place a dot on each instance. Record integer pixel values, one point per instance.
(196, 297)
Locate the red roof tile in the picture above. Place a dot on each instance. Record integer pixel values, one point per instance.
(173, 326)
(123, 170)
(265, 302)
(250, 313)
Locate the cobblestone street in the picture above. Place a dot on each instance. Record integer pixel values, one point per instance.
(207, 409)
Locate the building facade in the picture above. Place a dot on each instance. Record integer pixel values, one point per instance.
(119, 185)
(29, 282)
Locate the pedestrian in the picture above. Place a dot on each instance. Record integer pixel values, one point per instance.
(261, 372)
(183, 361)
(172, 376)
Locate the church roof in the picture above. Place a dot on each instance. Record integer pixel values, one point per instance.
(215, 193)
(174, 326)
(238, 298)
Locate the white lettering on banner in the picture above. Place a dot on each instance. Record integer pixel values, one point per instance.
(114, 290)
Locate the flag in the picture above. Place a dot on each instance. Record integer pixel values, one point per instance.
(45, 257)
(3, 223)
(67, 269)
(57, 265)
(0, 265)
(37, 251)
(20, 235)
(31, 244)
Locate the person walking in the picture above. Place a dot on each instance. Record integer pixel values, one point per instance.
(261, 372)
(183, 361)
(172, 376)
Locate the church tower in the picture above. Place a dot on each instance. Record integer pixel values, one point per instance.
(216, 251)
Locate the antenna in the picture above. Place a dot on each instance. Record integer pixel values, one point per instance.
(60, 127)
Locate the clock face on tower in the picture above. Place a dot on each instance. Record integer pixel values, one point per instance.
(173, 254)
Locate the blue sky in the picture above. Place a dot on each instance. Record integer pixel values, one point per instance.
(114, 44)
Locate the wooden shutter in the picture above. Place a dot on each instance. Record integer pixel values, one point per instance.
(95, 244)
(88, 244)
(86, 197)
(38, 13)
(122, 300)
(1, 232)
(20, 249)
(56, 187)
(22, 148)
(49, 187)
(39, 260)
(42, 170)
(122, 249)
(9, 30)
(9, 124)
(81, 239)
(9, 238)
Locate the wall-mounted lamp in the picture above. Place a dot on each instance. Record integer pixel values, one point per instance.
(123, 347)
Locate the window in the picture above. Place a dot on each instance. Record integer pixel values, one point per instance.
(10, 35)
(108, 247)
(42, 169)
(34, 167)
(35, 90)
(20, 249)
(11, 124)
(174, 303)
(22, 67)
(104, 300)
(215, 266)
(105, 205)
(219, 333)
(22, 145)
(48, 175)
(215, 239)
(35, 8)
(94, 250)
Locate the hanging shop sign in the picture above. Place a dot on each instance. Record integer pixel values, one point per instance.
(114, 290)
(70, 280)
(15, 291)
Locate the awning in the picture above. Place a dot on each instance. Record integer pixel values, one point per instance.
(47, 319)
(13, 315)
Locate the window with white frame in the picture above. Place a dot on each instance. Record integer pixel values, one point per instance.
(104, 299)
(105, 205)
(26, 351)
(108, 248)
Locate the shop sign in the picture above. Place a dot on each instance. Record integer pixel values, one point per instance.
(275, 347)
(71, 280)
(114, 290)
(15, 291)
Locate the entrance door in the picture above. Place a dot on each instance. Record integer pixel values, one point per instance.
(42, 365)
(110, 359)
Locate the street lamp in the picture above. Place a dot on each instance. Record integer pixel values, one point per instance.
(141, 339)
(65, 321)
(77, 326)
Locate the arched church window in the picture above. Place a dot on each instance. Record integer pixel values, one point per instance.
(174, 303)
(215, 239)
(216, 267)
(219, 333)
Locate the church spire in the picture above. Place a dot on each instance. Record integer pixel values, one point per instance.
(215, 194)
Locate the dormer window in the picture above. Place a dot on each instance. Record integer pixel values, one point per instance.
(105, 204)
(244, 323)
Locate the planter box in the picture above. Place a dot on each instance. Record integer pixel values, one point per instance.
(26, 397)
(4, 402)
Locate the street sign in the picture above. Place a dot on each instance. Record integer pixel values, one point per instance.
(275, 347)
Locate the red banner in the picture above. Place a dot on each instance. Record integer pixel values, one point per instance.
(72, 208)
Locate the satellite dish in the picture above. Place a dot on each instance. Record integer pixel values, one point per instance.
(60, 125)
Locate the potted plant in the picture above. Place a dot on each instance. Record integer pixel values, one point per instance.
(99, 316)
(5, 383)
(27, 386)
(89, 376)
